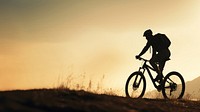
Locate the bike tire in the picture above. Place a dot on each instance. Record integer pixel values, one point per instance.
(134, 92)
(173, 86)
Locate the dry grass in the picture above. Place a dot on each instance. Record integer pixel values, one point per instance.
(81, 82)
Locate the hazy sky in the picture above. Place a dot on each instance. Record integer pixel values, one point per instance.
(43, 41)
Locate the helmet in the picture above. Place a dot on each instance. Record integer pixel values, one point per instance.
(147, 32)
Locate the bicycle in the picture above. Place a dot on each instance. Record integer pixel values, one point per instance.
(172, 85)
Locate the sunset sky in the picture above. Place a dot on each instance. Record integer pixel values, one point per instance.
(44, 41)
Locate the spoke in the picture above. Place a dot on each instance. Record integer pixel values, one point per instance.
(170, 80)
(167, 87)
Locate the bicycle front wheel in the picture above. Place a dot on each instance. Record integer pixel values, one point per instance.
(135, 85)
(173, 86)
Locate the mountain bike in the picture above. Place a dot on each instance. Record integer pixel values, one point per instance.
(172, 85)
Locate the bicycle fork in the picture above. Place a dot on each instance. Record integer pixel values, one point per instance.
(138, 81)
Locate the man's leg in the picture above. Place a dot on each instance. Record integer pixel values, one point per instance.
(161, 66)
(163, 57)
(153, 62)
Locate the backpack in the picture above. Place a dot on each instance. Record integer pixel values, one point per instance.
(162, 41)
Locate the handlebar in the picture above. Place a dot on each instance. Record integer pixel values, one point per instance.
(140, 58)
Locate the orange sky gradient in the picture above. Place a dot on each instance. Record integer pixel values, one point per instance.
(44, 41)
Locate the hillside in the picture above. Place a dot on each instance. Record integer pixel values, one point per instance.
(193, 88)
(54, 100)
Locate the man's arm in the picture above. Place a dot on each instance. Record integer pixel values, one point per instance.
(144, 50)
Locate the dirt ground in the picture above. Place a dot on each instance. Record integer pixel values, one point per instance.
(55, 100)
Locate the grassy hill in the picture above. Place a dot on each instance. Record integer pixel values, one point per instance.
(59, 100)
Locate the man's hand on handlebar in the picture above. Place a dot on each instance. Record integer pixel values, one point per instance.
(137, 57)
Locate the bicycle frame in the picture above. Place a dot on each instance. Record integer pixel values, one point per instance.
(145, 67)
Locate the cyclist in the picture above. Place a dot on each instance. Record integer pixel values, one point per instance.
(160, 53)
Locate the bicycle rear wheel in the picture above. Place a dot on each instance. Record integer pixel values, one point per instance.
(173, 86)
(135, 85)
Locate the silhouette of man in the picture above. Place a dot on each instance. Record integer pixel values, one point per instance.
(160, 53)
